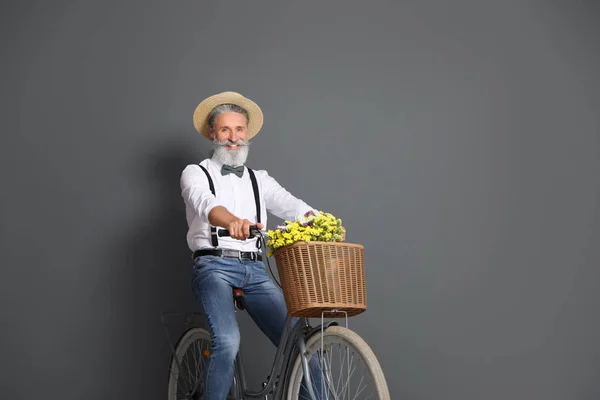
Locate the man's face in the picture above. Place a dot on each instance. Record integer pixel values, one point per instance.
(230, 126)
(229, 138)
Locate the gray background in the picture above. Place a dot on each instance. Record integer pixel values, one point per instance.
(458, 141)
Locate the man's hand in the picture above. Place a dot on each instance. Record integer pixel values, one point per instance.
(240, 228)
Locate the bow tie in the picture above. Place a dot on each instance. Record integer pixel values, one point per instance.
(228, 169)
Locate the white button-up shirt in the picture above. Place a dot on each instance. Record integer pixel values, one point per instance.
(237, 196)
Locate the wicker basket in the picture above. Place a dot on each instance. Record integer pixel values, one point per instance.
(322, 276)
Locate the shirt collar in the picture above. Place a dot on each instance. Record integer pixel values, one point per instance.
(217, 163)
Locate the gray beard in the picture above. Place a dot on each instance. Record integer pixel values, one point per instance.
(235, 158)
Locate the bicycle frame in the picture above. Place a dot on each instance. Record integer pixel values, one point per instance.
(292, 343)
(283, 358)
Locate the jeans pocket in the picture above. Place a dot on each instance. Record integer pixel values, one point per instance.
(201, 261)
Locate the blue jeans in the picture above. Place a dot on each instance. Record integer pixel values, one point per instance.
(212, 282)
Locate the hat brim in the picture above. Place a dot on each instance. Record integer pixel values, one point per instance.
(202, 111)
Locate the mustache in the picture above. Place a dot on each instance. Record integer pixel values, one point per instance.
(239, 142)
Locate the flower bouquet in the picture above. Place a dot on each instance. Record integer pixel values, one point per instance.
(314, 226)
(318, 271)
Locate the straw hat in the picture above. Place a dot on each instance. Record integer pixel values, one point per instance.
(255, 115)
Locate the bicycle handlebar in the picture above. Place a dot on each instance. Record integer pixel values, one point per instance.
(254, 230)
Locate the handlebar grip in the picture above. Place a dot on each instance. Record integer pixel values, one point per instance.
(223, 232)
(253, 231)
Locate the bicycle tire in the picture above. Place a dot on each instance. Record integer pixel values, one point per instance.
(332, 335)
(190, 336)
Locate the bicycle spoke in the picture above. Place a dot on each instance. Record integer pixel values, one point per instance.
(197, 360)
(177, 374)
(342, 357)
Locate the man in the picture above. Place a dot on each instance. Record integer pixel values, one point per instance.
(230, 120)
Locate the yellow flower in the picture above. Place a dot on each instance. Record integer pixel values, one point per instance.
(320, 227)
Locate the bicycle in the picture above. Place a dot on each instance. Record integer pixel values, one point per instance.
(290, 372)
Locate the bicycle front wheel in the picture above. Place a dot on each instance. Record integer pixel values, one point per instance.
(348, 366)
(186, 372)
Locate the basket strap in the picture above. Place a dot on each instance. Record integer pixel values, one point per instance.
(213, 230)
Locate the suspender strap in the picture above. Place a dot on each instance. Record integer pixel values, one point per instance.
(257, 201)
(256, 196)
(213, 230)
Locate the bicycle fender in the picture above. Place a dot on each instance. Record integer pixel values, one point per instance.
(317, 328)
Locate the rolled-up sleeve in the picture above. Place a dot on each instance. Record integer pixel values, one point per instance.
(280, 202)
(195, 191)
